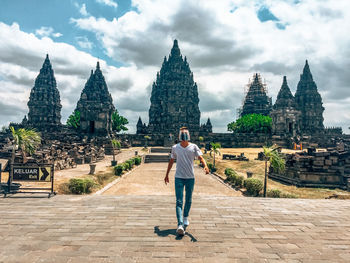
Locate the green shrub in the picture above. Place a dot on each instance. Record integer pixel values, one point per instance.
(253, 186)
(126, 166)
(228, 171)
(232, 178)
(118, 170)
(80, 185)
(274, 193)
(130, 162)
(239, 181)
(137, 160)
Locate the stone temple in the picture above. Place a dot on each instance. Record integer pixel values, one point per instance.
(256, 100)
(95, 105)
(309, 102)
(44, 102)
(174, 99)
(285, 116)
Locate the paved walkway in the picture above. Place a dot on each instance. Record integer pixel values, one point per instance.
(148, 179)
(141, 229)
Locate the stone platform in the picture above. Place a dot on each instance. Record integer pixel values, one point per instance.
(142, 229)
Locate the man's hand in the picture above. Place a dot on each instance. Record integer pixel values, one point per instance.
(206, 169)
(166, 179)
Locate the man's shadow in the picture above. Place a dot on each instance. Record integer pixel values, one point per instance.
(167, 232)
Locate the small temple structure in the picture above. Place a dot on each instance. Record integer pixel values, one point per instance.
(256, 100)
(309, 102)
(285, 115)
(44, 102)
(95, 105)
(174, 98)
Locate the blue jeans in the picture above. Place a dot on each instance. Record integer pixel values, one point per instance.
(179, 191)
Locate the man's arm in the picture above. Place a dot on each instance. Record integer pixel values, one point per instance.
(206, 169)
(170, 165)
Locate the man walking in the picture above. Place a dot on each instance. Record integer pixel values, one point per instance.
(184, 153)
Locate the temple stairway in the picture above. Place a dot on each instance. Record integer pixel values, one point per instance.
(158, 155)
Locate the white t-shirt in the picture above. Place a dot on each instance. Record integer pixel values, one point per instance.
(184, 159)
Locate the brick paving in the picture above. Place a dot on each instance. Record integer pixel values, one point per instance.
(142, 229)
(148, 179)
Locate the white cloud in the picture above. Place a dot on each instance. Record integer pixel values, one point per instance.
(224, 47)
(47, 32)
(224, 41)
(84, 42)
(83, 10)
(20, 64)
(108, 3)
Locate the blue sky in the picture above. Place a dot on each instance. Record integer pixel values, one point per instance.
(225, 42)
(34, 14)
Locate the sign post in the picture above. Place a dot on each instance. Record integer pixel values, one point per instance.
(35, 173)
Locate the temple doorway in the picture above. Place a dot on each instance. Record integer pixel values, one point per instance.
(92, 126)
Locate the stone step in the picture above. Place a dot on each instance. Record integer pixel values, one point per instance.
(160, 150)
(157, 158)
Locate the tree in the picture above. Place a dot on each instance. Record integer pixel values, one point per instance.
(256, 123)
(74, 120)
(215, 146)
(272, 155)
(26, 140)
(118, 122)
(115, 144)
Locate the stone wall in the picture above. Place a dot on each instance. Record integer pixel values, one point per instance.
(227, 140)
(329, 168)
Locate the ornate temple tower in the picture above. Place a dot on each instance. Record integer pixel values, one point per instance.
(174, 99)
(95, 105)
(285, 115)
(309, 102)
(44, 102)
(256, 100)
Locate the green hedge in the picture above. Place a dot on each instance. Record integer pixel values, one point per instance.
(80, 185)
(253, 186)
(118, 170)
(137, 160)
(239, 181)
(127, 165)
(229, 171)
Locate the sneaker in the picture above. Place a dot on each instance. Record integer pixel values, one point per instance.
(180, 230)
(186, 222)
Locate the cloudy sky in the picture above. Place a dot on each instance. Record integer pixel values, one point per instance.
(225, 42)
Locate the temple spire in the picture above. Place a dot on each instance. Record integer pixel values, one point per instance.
(306, 72)
(285, 97)
(44, 101)
(175, 51)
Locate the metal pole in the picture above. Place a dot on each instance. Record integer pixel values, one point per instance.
(265, 180)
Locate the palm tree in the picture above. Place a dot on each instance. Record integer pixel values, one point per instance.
(27, 140)
(272, 155)
(215, 146)
(115, 144)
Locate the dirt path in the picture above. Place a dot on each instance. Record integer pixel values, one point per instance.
(148, 180)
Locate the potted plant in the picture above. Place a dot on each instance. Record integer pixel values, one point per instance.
(116, 145)
(215, 146)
